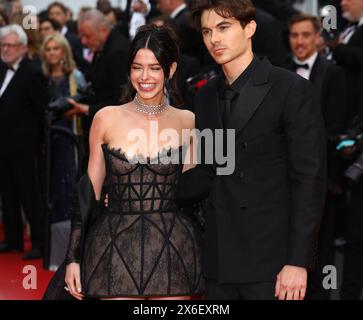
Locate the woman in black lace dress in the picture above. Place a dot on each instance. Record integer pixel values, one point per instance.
(140, 246)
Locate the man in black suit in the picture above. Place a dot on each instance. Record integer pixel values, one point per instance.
(348, 53)
(22, 102)
(58, 12)
(262, 220)
(191, 41)
(327, 77)
(280, 9)
(330, 85)
(108, 72)
(268, 40)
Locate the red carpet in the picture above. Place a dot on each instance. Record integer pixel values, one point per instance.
(12, 276)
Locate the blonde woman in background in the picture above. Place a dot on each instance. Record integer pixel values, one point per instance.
(63, 81)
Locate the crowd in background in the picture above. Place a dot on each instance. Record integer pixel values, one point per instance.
(55, 77)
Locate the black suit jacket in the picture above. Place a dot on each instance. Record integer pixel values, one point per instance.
(267, 213)
(191, 40)
(22, 108)
(108, 72)
(331, 90)
(77, 51)
(350, 57)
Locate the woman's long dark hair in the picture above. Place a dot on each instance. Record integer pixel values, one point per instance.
(163, 42)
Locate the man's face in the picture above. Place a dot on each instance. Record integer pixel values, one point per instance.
(91, 37)
(11, 49)
(225, 38)
(57, 14)
(164, 6)
(46, 29)
(303, 39)
(352, 9)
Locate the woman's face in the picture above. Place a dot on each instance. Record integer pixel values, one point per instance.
(147, 77)
(53, 53)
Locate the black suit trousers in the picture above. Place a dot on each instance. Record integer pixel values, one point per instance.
(20, 188)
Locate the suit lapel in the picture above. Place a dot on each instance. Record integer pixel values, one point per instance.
(251, 96)
(2, 75)
(315, 70)
(14, 79)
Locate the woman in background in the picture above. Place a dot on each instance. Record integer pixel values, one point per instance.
(64, 80)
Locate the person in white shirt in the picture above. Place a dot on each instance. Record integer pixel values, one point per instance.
(303, 39)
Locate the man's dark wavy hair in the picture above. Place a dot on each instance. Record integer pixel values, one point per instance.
(242, 10)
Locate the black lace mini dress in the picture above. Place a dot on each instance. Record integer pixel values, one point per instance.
(140, 244)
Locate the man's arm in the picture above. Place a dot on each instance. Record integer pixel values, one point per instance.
(194, 185)
(306, 145)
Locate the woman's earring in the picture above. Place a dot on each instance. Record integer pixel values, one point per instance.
(63, 61)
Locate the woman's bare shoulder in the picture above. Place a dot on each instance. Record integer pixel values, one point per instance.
(109, 113)
(185, 116)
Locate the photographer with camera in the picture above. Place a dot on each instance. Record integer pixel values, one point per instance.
(347, 51)
(64, 80)
(108, 71)
(350, 147)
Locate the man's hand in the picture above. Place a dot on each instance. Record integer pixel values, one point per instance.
(291, 283)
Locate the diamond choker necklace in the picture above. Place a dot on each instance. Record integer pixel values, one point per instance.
(150, 109)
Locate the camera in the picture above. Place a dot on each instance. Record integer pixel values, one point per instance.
(350, 146)
(196, 82)
(61, 105)
(330, 36)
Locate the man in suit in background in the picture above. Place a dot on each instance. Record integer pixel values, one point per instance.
(280, 9)
(58, 12)
(191, 41)
(268, 40)
(330, 85)
(262, 221)
(327, 77)
(23, 100)
(108, 71)
(348, 53)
